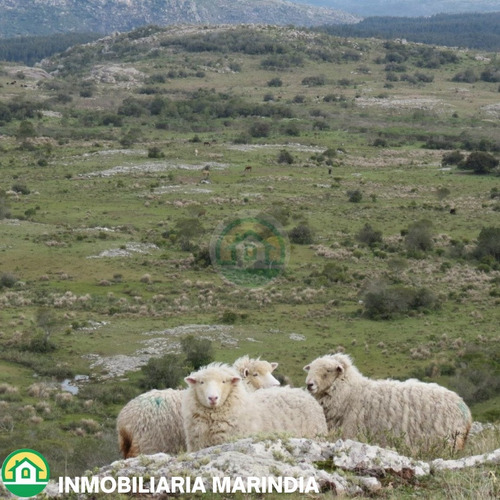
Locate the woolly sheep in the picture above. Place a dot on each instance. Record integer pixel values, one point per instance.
(152, 422)
(216, 407)
(418, 412)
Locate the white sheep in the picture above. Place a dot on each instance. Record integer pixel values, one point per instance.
(152, 422)
(216, 407)
(420, 413)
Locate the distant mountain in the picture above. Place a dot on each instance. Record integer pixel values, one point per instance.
(42, 17)
(410, 8)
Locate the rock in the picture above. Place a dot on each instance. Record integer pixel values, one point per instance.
(345, 467)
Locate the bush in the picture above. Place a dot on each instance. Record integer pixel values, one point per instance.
(384, 301)
(355, 196)
(314, 81)
(453, 158)
(155, 152)
(188, 228)
(301, 234)
(488, 243)
(419, 237)
(275, 82)
(198, 351)
(20, 188)
(7, 280)
(480, 163)
(260, 129)
(4, 207)
(334, 272)
(285, 157)
(163, 373)
(369, 236)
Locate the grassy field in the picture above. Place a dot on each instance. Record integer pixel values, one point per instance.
(105, 216)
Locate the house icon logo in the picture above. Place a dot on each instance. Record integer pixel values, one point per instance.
(25, 473)
(250, 251)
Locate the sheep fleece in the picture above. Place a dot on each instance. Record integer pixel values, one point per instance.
(416, 410)
(243, 414)
(152, 422)
(156, 409)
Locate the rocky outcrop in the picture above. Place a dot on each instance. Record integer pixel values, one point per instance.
(346, 467)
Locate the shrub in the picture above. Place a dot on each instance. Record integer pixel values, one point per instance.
(334, 272)
(466, 76)
(162, 373)
(285, 157)
(355, 196)
(301, 234)
(229, 317)
(260, 129)
(198, 351)
(488, 243)
(479, 162)
(20, 188)
(7, 280)
(384, 301)
(419, 237)
(275, 82)
(453, 158)
(155, 152)
(314, 81)
(4, 207)
(188, 228)
(369, 236)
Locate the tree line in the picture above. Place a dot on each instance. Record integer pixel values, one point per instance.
(32, 49)
(476, 31)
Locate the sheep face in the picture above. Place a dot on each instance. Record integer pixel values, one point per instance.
(323, 372)
(259, 374)
(212, 388)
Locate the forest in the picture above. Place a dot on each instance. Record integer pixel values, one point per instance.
(474, 31)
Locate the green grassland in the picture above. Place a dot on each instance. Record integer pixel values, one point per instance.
(91, 186)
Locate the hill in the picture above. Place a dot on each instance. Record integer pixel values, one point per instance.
(404, 8)
(262, 190)
(477, 31)
(43, 17)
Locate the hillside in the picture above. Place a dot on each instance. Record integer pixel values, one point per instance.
(404, 8)
(252, 189)
(42, 17)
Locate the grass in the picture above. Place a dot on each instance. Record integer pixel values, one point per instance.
(73, 214)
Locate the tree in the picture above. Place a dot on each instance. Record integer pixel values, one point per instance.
(198, 351)
(419, 237)
(369, 236)
(25, 130)
(488, 243)
(480, 163)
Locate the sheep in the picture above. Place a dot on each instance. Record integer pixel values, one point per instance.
(418, 412)
(152, 422)
(256, 373)
(216, 407)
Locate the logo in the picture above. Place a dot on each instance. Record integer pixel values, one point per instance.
(25, 473)
(250, 251)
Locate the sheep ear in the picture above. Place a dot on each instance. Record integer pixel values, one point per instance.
(246, 371)
(190, 380)
(235, 380)
(274, 366)
(307, 368)
(340, 369)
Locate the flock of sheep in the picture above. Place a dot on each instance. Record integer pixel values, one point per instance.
(223, 402)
